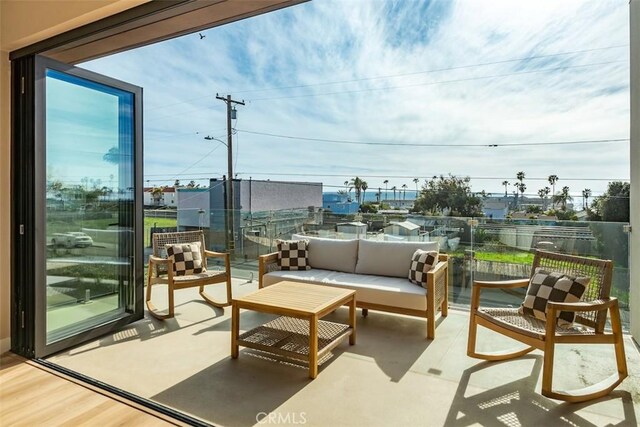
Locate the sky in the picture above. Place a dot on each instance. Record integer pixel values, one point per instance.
(394, 90)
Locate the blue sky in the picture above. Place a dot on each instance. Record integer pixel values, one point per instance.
(426, 78)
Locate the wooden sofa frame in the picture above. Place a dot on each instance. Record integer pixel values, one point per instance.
(437, 292)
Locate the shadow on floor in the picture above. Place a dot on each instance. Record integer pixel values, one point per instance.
(516, 403)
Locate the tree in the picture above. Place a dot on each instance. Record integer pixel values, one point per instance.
(386, 189)
(191, 184)
(394, 192)
(562, 198)
(356, 184)
(520, 185)
(505, 183)
(176, 184)
(543, 193)
(586, 193)
(404, 191)
(613, 205)
(416, 181)
(157, 193)
(552, 180)
(364, 187)
(449, 193)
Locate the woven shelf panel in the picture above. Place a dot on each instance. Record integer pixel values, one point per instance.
(271, 357)
(291, 334)
(511, 319)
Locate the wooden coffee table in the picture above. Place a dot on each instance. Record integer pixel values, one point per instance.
(299, 333)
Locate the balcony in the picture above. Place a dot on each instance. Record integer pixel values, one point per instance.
(393, 375)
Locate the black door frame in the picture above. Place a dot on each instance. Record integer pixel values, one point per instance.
(29, 188)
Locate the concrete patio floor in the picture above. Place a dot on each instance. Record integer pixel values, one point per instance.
(392, 376)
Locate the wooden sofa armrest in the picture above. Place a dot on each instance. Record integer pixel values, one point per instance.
(263, 265)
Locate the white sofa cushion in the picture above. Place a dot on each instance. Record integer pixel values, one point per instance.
(388, 258)
(390, 291)
(331, 254)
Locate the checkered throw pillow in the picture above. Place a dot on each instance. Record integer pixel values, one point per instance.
(552, 286)
(186, 257)
(293, 254)
(421, 262)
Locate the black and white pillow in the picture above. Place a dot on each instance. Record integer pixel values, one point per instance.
(293, 254)
(421, 263)
(186, 257)
(547, 286)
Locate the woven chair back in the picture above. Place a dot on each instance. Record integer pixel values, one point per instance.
(161, 240)
(600, 275)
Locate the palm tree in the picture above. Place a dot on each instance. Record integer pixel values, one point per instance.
(563, 197)
(521, 188)
(364, 187)
(505, 183)
(356, 183)
(386, 190)
(404, 191)
(415, 181)
(552, 180)
(394, 192)
(543, 193)
(586, 193)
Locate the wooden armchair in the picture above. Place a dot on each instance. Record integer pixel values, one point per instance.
(588, 328)
(161, 271)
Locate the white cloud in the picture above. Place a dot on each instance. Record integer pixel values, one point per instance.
(334, 41)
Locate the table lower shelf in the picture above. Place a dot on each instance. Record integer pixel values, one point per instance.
(289, 337)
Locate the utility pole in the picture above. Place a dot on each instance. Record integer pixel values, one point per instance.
(230, 214)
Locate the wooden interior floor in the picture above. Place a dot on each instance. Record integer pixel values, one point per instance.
(31, 395)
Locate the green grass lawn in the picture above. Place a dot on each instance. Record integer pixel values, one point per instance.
(157, 222)
(508, 257)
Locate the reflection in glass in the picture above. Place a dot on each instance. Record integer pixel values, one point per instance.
(89, 203)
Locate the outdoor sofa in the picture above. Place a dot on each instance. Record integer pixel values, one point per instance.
(376, 270)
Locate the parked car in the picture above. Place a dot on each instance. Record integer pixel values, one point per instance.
(72, 239)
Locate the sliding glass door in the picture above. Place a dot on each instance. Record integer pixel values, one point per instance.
(87, 213)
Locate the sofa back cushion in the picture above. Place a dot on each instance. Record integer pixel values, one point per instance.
(388, 258)
(331, 254)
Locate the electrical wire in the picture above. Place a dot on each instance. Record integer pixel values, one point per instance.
(410, 144)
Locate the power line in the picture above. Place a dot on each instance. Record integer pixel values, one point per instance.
(436, 82)
(387, 176)
(415, 144)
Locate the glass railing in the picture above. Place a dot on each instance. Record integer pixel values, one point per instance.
(479, 248)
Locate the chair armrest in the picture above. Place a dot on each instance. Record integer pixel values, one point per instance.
(501, 284)
(595, 305)
(479, 285)
(263, 262)
(157, 260)
(212, 254)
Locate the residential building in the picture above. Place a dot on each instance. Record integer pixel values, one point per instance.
(339, 204)
(162, 197)
(354, 228)
(402, 228)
